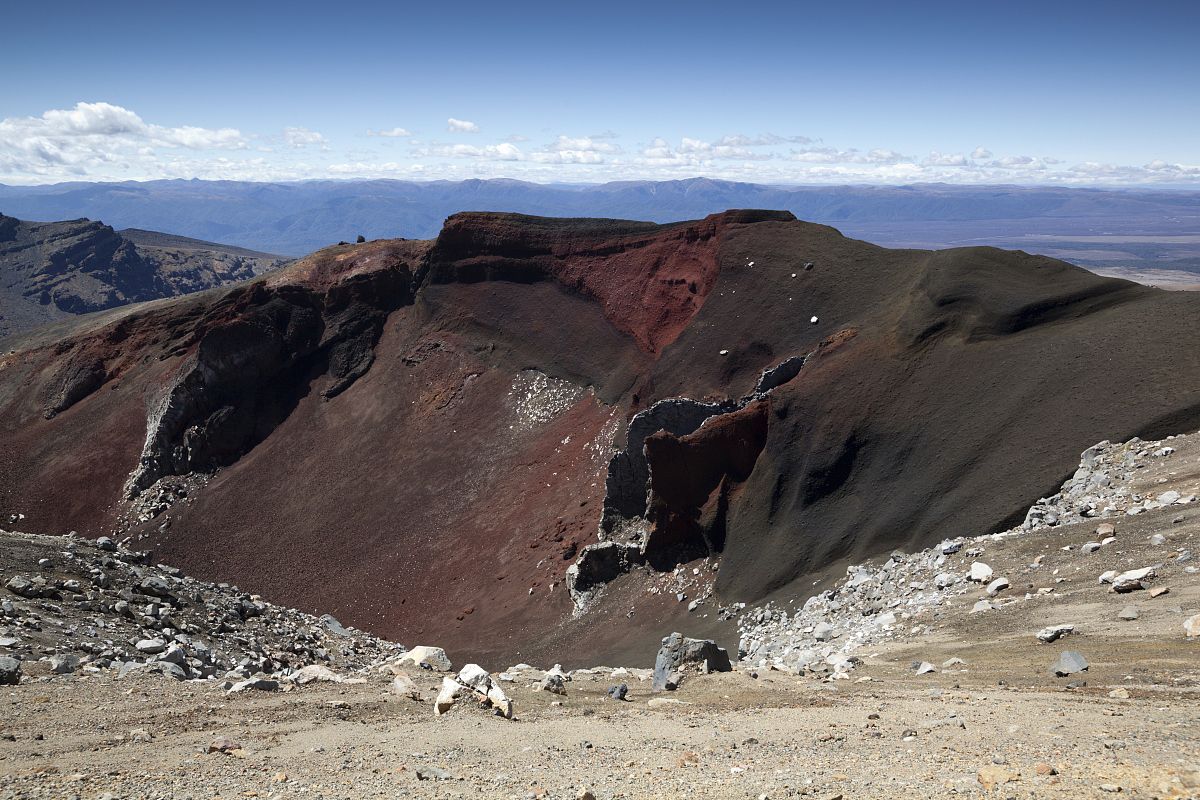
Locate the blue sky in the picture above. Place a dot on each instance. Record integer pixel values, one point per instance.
(864, 92)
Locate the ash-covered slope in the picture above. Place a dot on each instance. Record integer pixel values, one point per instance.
(423, 437)
(51, 270)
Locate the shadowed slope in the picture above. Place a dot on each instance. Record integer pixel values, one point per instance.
(423, 444)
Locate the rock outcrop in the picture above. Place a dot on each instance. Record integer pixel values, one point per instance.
(52, 270)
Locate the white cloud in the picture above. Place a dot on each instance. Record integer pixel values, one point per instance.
(936, 159)
(980, 153)
(96, 138)
(505, 151)
(394, 133)
(302, 137)
(461, 126)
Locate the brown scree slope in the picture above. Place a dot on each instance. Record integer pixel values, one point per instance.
(414, 436)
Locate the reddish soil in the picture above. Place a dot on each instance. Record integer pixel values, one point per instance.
(482, 380)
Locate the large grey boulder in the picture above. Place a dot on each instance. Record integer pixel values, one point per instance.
(677, 653)
(1069, 662)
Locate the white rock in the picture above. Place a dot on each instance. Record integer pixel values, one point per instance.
(500, 701)
(431, 657)
(980, 572)
(1167, 498)
(450, 692)
(981, 605)
(823, 632)
(1132, 579)
(1054, 632)
(1158, 539)
(476, 677)
(997, 586)
(925, 667)
(1192, 626)
(1107, 577)
(404, 686)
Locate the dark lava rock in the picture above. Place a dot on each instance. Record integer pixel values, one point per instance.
(10, 671)
(619, 691)
(678, 653)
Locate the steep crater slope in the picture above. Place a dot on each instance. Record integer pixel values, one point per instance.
(51, 270)
(439, 440)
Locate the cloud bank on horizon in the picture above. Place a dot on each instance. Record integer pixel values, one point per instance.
(1076, 92)
(99, 141)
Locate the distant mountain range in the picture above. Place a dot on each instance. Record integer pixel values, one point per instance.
(1111, 230)
(53, 270)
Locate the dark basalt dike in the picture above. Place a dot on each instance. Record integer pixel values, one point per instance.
(413, 435)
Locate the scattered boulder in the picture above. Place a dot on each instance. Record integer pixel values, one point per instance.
(678, 653)
(1069, 662)
(924, 667)
(553, 683)
(1131, 580)
(980, 572)
(618, 692)
(475, 677)
(224, 744)
(997, 586)
(1128, 613)
(405, 687)
(1191, 626)
(1054, 633)
(433, 658)
(64, 664)
(449, 692)
(10, 671)
(1158, 539)
(252, 684)
(823, 632)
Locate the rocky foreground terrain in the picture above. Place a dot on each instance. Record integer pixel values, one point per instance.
(1056, 659)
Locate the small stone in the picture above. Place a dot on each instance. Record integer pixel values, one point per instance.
(953, 662)
(823, 632)
(151, 646)
(1159, 591)
(433, 774)
(618, 692)
(1105, 529)
(1045, 769)
(1069, 662)
(924, 667)
(1191, 626)
(1158, 539)
(1120, 693)
(1128, 613)
(1167, 498)
(1110, 787)
(981, 605)
(223, 744)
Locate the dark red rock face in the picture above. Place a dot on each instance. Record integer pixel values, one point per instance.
(416, 436)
